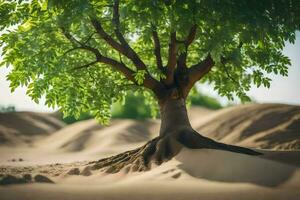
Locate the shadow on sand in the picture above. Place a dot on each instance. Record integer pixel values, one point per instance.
(216, 165)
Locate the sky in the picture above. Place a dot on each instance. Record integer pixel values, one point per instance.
(282, 90)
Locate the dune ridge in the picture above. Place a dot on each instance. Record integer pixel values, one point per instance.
(265, 126)
(18, 128)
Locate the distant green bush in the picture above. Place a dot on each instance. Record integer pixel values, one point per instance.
(205, 101)
(133, 108)
(72, 119)
(10, 108)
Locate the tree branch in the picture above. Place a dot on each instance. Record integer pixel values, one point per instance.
(225, 60)
(229, 76)
(75, 43)
(124, 47)
(131, 53)
(89, 38)
(86, 65)
(182, 72)
(106, 37)
(157, 50)
(197, 71)
(71, 38)
(149, 82)
(121, 67)
(192, 34)
(128, 52)
(128, 73)
(181, 63)
(116, 22)
(70, 50)
(172, 59)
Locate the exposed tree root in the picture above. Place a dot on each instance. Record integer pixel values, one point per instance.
(194, 140)
(156, 150)
(161, 149)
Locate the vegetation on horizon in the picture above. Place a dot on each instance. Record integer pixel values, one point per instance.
(5, 109)
(134, 107)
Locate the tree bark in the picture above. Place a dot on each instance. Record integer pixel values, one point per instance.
(174, 117)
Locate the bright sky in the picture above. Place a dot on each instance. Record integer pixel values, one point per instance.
(282, 90)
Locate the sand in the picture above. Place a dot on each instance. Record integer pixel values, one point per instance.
(63, 157)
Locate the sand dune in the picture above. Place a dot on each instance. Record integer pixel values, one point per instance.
(91, 138)
(24, 127)
(266, 126)
(63, 157)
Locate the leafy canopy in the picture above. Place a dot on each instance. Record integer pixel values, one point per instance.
(42, 41)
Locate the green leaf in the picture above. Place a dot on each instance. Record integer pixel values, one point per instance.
(139, 76)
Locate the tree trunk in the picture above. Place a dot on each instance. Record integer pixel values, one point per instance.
(175, 132)
(175, 124)
(174, 117)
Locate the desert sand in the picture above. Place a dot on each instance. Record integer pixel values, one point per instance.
(51, 160)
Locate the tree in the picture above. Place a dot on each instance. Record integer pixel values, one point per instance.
(84, 55)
